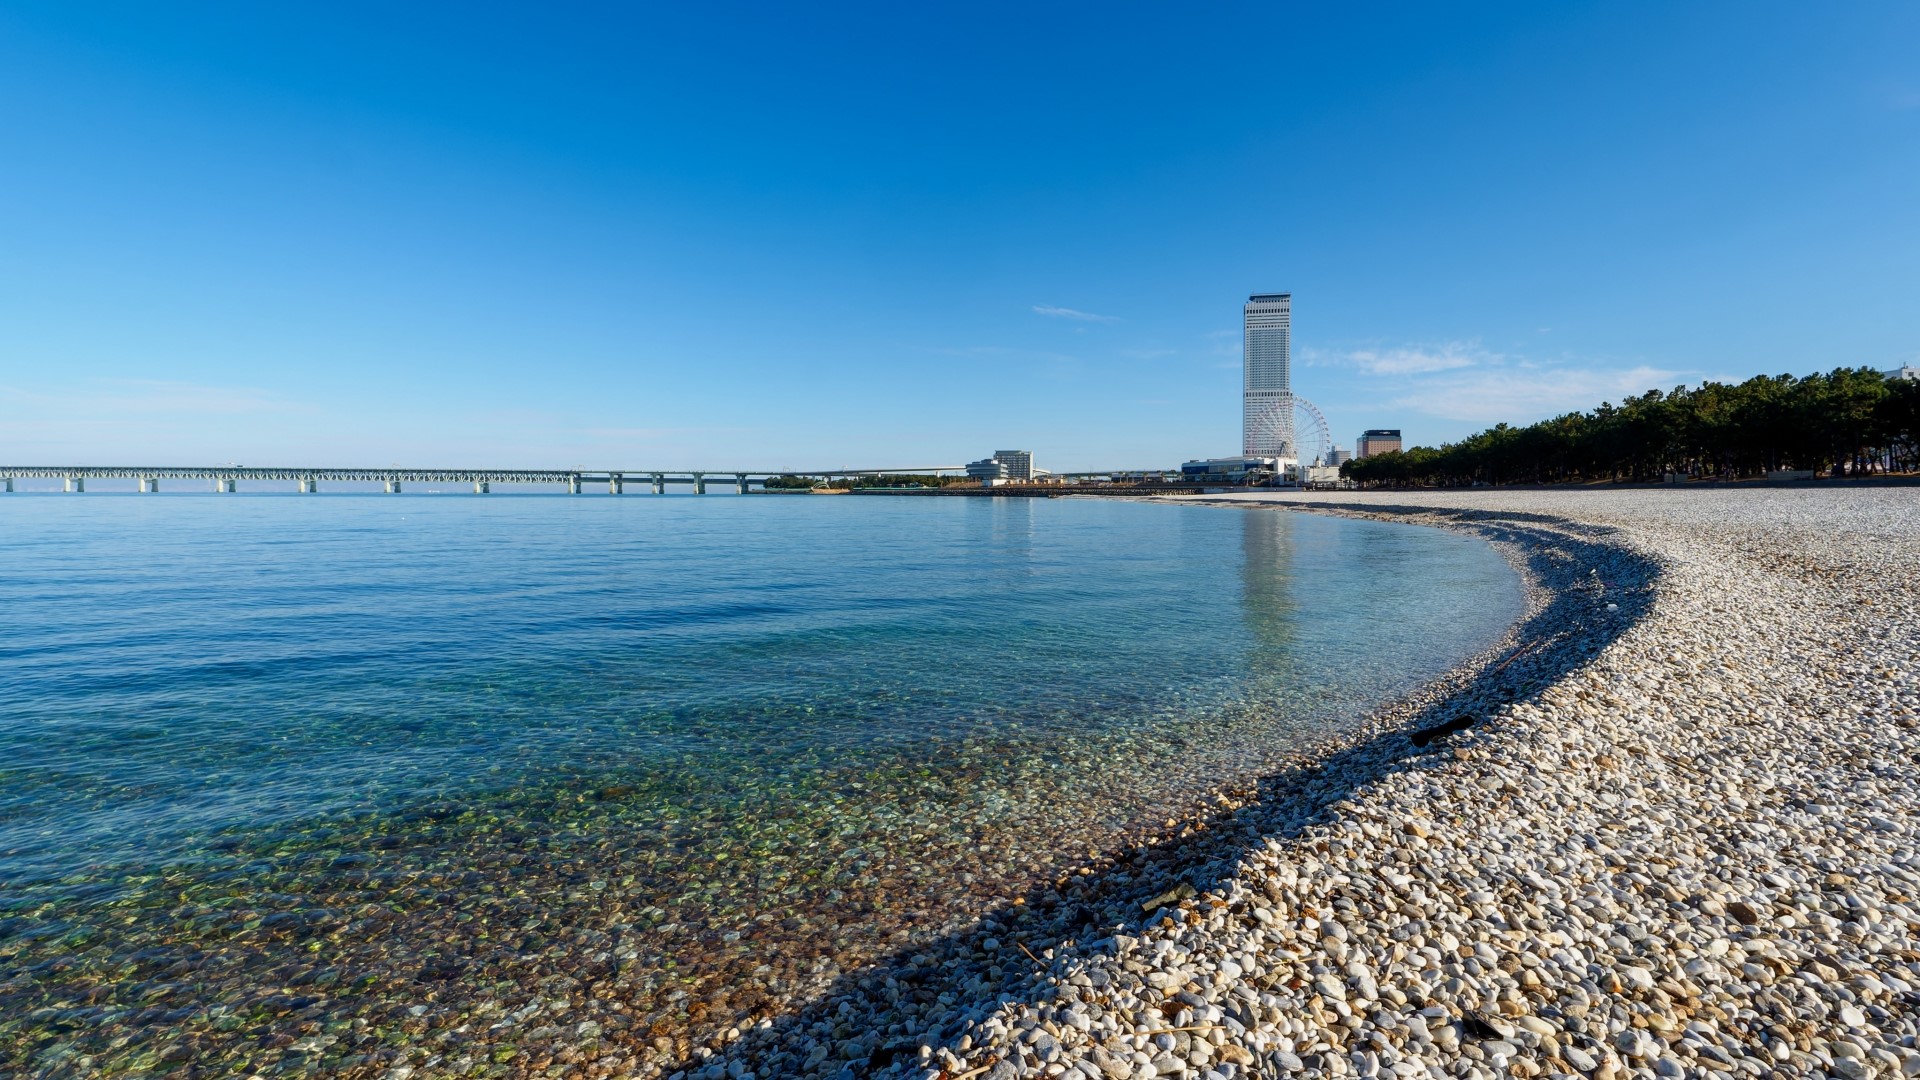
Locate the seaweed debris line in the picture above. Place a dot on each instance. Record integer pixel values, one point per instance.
(1682, 841)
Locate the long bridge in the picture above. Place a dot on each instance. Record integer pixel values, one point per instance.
(225, 478)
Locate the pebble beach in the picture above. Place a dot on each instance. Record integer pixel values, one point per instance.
(1667, 828)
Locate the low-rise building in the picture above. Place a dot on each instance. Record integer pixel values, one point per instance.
(1239, 470)
(1904, 371)
(989, 471)
(1326, 478)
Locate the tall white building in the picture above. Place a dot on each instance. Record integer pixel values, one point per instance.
(1267, 406)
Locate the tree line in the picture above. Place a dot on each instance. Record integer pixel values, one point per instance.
(1847, 422)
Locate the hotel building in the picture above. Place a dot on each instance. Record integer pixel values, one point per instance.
(1267, 394)
(1376, 441)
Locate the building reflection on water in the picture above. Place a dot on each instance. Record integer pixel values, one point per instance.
(1002, 531)
(1270, 576)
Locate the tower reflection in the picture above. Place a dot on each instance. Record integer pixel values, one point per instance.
(1270, 597)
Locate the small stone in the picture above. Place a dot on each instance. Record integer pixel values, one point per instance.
(1852, 1068)
(1636, 1043)
(1182, 891)
(1485, 1025)
(1534, 1024)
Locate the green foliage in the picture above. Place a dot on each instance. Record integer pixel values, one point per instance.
(1850, 421)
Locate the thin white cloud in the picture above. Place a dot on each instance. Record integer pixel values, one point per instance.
(1413, 361)
(1405, 359)
(1225, 344)
(1003, 352)
(1466, 382)
(1524, 394)
(645, 433)
(152, 396)
(1053, 312)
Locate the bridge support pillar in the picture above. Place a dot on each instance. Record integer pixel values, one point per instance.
(224, 485)
(309, 485)
(9, 485)
(573, 485)
(76, 483)
(740, 483)
(149, 484)
(659, 484)
(393, 487)
(699, 483)
(481, 487)
(616, 484)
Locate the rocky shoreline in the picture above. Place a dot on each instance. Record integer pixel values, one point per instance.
(1672, 832)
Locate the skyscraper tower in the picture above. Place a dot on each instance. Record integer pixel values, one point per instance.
(1267, 407)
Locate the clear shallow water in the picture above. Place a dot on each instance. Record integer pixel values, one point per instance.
(711, 737)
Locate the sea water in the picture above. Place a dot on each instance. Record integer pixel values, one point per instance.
(294, 758)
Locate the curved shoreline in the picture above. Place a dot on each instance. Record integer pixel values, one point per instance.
(871, 1024)
(1690, 851)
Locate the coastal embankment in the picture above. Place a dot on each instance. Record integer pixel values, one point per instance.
(1668, 828)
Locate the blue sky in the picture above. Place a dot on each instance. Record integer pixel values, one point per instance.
(893, 234)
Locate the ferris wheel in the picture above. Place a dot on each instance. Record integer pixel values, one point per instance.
(1294, 424)
(1316, 441)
